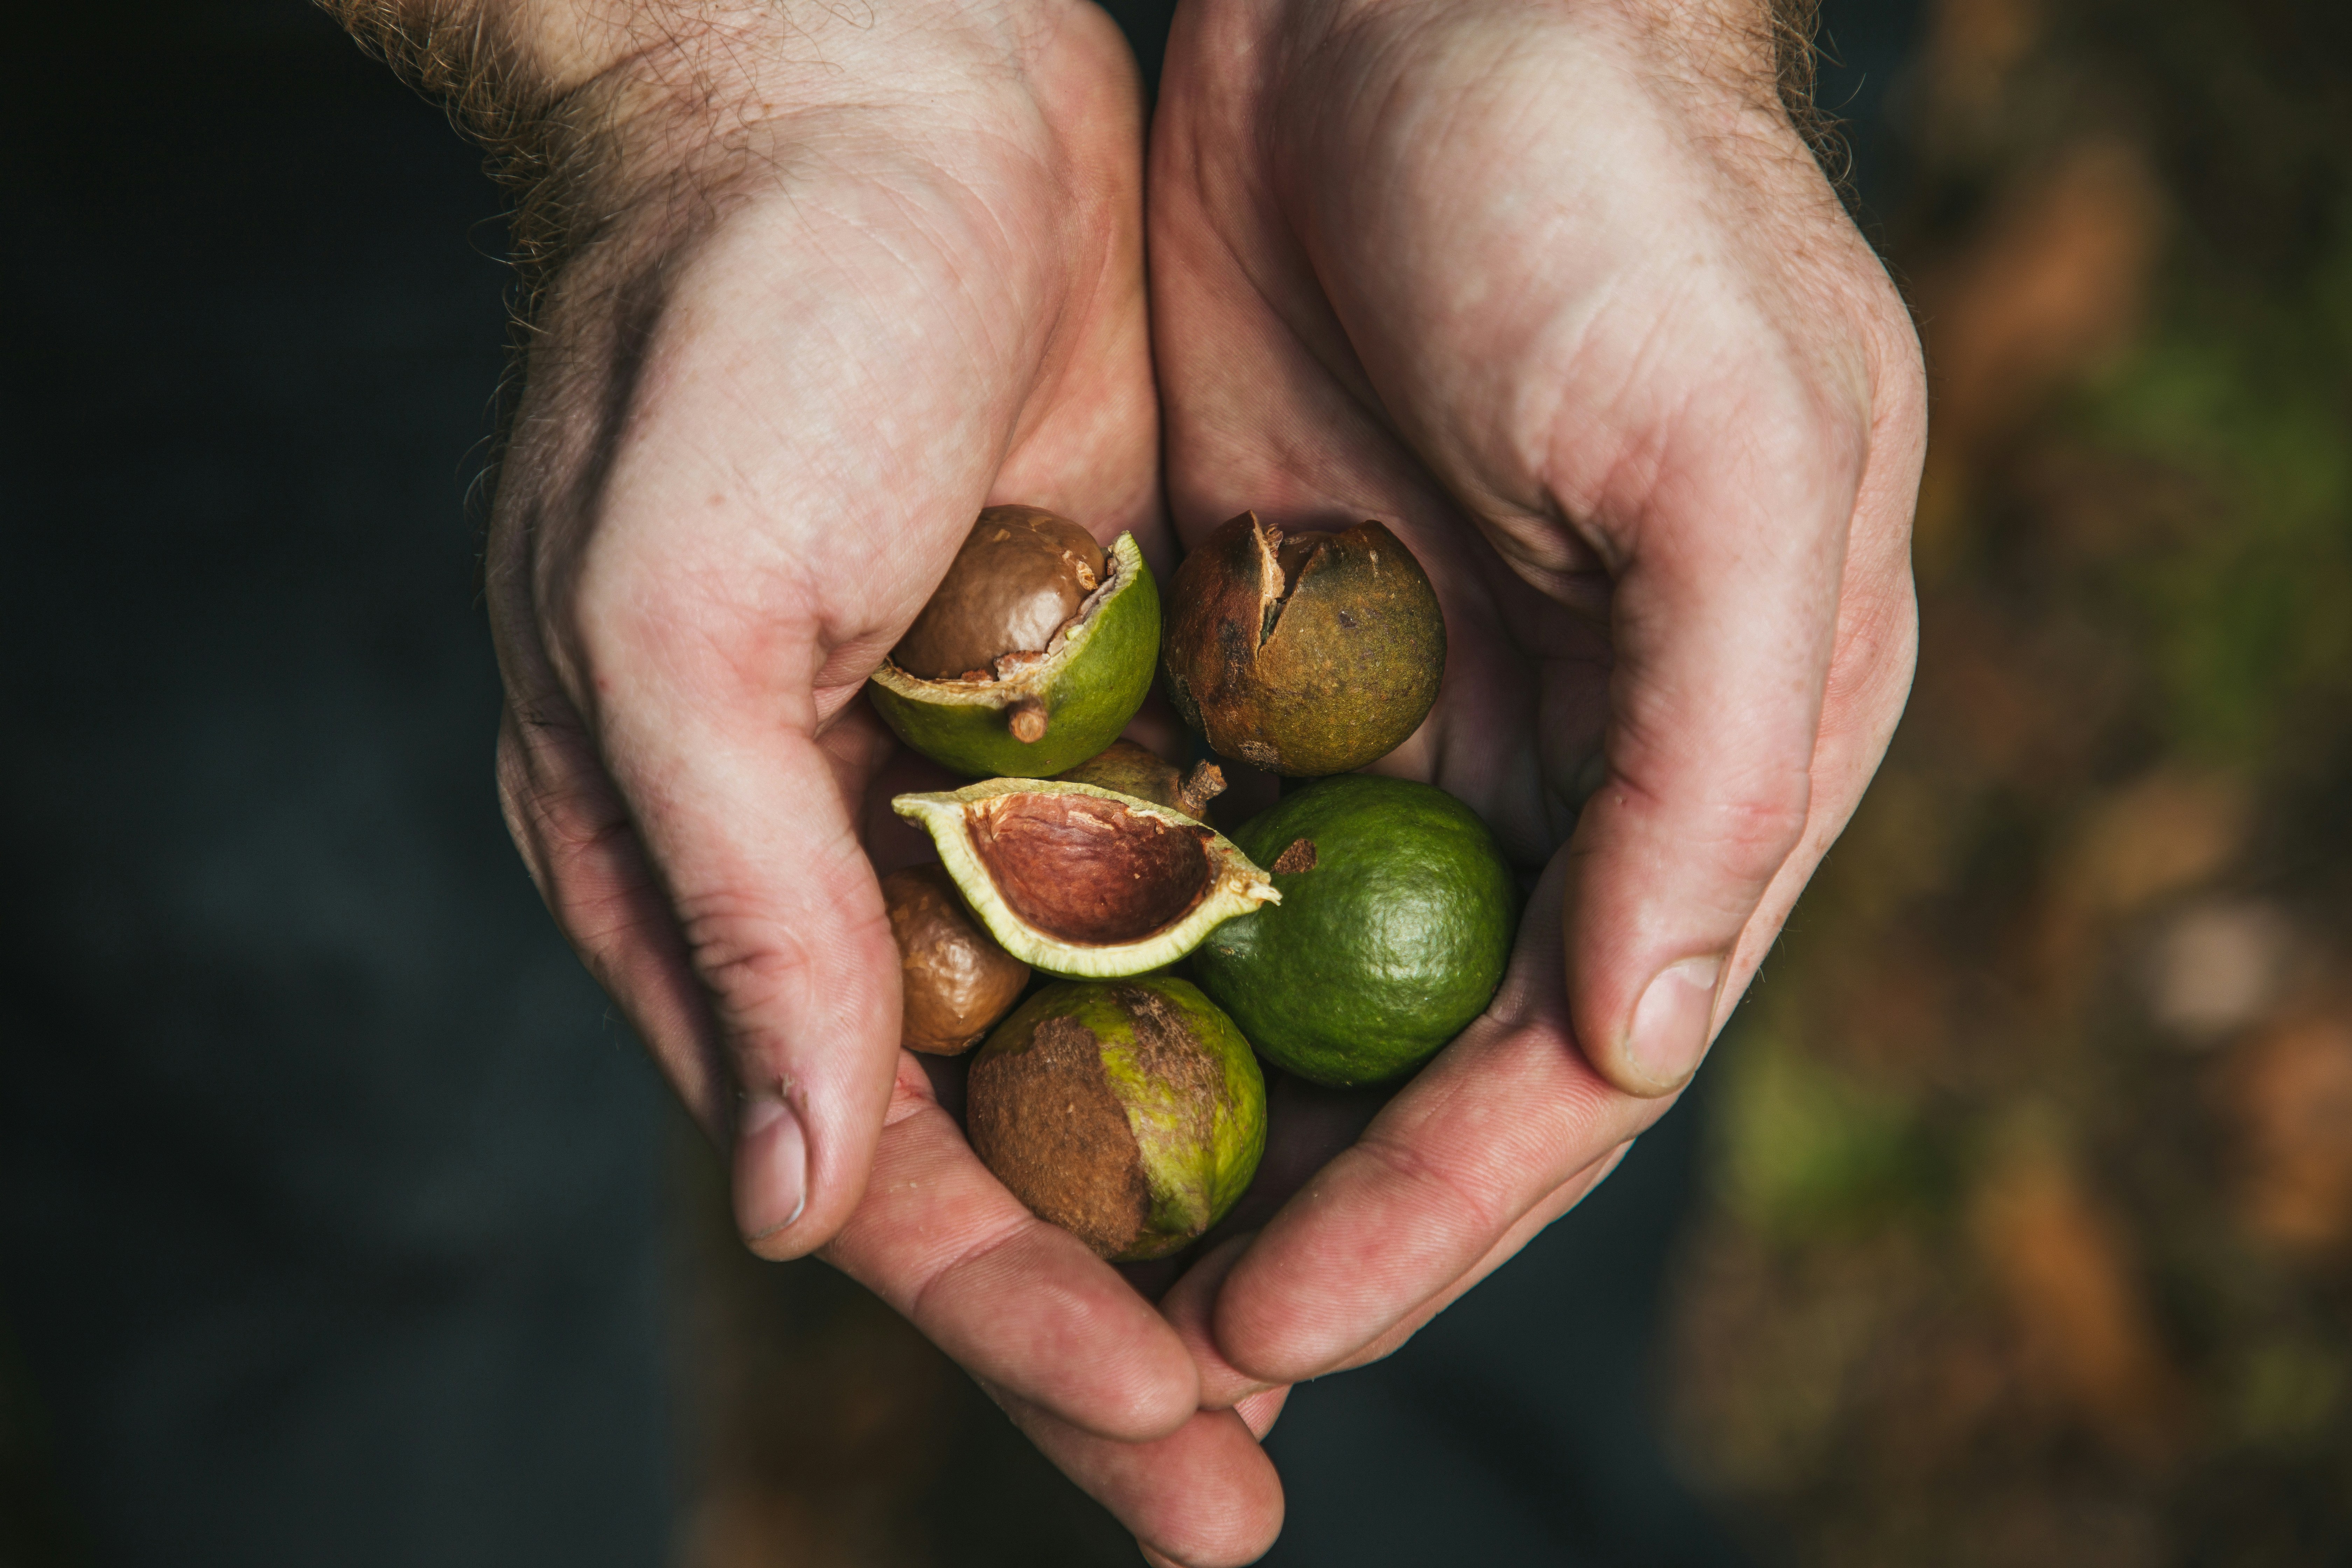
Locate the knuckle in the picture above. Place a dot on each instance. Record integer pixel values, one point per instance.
(1472, 1213)
(682, 618)
(746, 960)
(1758, 826)
(1746, 826)
(950, 1267)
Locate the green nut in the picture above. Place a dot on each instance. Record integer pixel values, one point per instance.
(1395, 924)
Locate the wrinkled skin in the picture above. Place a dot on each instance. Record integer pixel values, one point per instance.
(1551, 288)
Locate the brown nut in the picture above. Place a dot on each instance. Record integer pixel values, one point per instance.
(1304, 654)
(1020, 575)
(1135, 769)
(959, 982)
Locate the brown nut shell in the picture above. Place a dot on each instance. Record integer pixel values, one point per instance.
(958, 980)
(1138, 771)
(1021, 573)
(1308, 653)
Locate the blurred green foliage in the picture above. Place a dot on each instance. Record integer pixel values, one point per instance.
(2003, 1262)
(2248, 395)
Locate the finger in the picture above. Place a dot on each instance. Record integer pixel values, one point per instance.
(1530, 1226)
(1190, 1308)
(1022, 1305)
(747, 826)
(1307, 1125)
(1260, 1411)
(1501, 1120)
(1725, 610)
(1876, 647)
(1205, 1496)
(577, 840)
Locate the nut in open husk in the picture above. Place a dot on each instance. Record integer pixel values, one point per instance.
(1031, 655)
(1304, 653)
(956, 979)
(1130, 1113)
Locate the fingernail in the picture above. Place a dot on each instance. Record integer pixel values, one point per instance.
(1670, 1025)
(771, 1167)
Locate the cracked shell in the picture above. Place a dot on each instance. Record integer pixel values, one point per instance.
(1305, 653)
(1130, 1113)
(1022, 574)
(1044, 711)
(1083, 881)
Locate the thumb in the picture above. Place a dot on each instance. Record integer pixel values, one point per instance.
(703, 859)
(1723, 621)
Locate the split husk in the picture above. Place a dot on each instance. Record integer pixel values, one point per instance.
(1304, 654)
(1084, 881)
(1039, 714)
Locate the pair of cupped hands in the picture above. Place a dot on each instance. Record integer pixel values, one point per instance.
(1552, 287)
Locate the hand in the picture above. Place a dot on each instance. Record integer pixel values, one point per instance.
(1556, 290)
(822, 287)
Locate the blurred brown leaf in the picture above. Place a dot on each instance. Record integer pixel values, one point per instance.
(2288, 1091)
(2056, 284)
(2167, 831)
(1973, 45)
(2087, 1339)
(2215, 965)
(2009, 700)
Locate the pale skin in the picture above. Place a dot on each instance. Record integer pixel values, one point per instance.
(1552, 289)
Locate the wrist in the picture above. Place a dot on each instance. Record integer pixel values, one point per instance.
(510, 59)
(1757, 51)
(613, 109)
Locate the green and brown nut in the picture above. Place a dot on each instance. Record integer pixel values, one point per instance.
(1031, 655)
(957, 980)
(1304, 653)
(1130, 1112)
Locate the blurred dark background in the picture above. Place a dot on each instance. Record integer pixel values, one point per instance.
(339, 1222)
